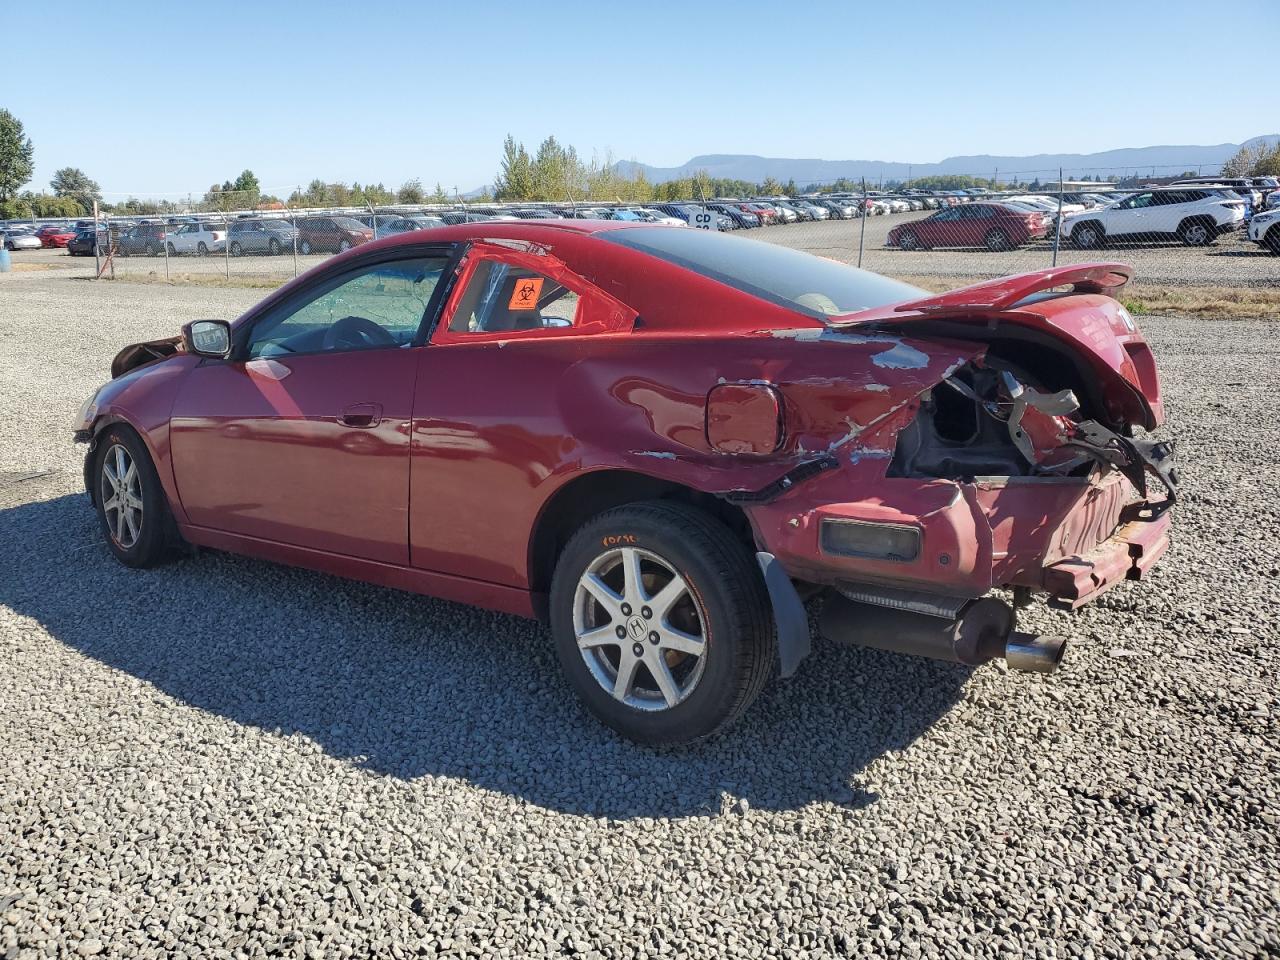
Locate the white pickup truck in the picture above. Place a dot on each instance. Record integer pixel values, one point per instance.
(198, 238)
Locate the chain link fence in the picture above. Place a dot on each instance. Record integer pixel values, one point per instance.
(1208, 231)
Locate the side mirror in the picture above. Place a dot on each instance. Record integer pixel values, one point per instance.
(207, 338)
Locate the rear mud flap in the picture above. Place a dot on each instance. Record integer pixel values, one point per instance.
(789, 616)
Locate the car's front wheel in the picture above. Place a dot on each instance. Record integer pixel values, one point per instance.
(306, 247)
(1271, 239)
(132, 507)
(344, 245)
(273, 247)
(907, 241)
(236, 249)
(662, 622)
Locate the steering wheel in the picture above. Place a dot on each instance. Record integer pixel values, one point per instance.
(357, 332)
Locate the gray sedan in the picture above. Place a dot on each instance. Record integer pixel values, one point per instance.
(262, 236)
(20, 240)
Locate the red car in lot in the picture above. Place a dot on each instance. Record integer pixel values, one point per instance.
(55, 236)
(995, 226)
(660, 441)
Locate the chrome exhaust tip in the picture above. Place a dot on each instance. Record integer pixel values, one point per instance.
(1034, 654)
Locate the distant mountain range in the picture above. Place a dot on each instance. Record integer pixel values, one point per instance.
(1156, 161)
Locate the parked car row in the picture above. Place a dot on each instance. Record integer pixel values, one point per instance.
(1195, 211)
(1195, 216)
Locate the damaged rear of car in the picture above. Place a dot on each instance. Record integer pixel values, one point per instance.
(1010, 450)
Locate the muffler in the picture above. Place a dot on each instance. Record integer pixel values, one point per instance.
(981, 630)
(1026, 651)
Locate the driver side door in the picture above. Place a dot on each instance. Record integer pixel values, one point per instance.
(302, 436)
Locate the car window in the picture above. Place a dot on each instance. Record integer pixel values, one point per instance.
(500, 297)
(811, 285)
(1139, 200)
(378, 306)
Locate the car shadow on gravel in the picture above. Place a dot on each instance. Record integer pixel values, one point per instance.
(411, 687)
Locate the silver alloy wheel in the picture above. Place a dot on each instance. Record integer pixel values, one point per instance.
(1197, 234)
(306, 247)
(344, 246)
(121, 492)
(640, 629)
(907, 241)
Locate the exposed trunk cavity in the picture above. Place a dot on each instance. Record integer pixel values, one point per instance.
(986, 420)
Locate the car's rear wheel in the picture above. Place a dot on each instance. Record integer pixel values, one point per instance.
(1087, 236)
(236, 250)
(273, 247)
(201, 249)
(907, 241)
(1271, 239)
(996, 240)
(306, 247)
(132, 507)
(153, 249)
(1196, 233)
(173, 251)
(662, 622)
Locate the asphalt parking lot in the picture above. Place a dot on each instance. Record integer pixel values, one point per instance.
(227, 758)
(1231, 261)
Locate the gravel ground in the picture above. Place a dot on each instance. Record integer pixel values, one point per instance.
(1232, 261)
(227, 758)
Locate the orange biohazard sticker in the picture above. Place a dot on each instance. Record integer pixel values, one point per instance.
(526, 293)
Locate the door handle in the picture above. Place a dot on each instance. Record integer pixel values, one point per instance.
(361, 415)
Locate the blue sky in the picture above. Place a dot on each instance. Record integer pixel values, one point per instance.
(385, 91)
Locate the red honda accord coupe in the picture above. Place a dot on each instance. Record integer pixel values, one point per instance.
(661, 441)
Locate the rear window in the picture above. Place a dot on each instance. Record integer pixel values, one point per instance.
(810, 285)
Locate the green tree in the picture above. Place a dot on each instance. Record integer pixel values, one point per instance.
(411, 192)
(16, 152)
(770, 187)
(438, 195)
(74, 183)
(515, 173)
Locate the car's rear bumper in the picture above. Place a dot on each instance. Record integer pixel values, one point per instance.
(1069, 538)
(1127, 555)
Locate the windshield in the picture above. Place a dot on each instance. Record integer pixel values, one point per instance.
(811, 285)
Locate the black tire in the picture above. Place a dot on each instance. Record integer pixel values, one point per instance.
(907, 241)
(236, 249)
(273, 247)
(726, 591)
(201, 249)
(1197, 233)
(1088, 236)
(305, 248)
(156, 535)
(997, 241)
(173, 251)
(1271, 239)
